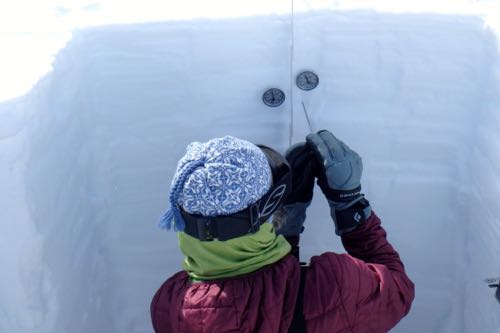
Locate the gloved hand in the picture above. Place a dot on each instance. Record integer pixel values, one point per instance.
(289, 219)
(339, 174)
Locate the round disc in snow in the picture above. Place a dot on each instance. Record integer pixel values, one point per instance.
(307, 80)
(273, 97)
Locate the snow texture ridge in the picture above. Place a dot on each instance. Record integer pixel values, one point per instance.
(86, 158)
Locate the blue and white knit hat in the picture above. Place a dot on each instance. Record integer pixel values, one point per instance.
(219, 177)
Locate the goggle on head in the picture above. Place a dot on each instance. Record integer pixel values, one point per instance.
(247, 221)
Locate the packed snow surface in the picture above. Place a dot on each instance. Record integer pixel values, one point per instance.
(87, 156)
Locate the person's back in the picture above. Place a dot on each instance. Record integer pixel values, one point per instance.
(254, 302)
(250, 281)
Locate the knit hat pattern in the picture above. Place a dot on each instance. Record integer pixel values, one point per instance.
(219, 177)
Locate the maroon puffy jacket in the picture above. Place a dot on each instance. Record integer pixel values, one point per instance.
(366, 290)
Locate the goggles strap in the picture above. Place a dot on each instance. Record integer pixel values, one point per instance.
(223, 227)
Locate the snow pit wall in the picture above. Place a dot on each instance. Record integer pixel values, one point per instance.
(94, 156)
(482, 236)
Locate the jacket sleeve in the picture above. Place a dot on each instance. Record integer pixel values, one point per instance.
(367, 287)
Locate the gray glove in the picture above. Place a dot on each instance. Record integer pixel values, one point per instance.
(339, 174)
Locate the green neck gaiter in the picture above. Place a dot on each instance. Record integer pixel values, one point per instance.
(221, 259)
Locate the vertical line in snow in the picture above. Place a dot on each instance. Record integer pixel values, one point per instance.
(291, 72)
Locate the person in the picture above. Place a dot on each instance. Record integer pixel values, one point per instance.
(242, 274)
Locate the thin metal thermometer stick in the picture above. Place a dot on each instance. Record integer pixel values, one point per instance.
(307, 117)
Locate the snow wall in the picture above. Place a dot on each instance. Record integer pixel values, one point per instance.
(86, 158)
